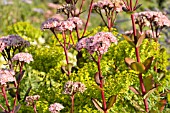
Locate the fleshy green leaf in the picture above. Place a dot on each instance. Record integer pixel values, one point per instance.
(149, 93)
(140, 40)
(111, 101)
(129, 61)
(148, 82)
(131, 42)
(96, 104)
(148, 63)
(96, 78)
(137, 66)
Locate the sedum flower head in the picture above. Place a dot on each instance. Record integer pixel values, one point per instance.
(157, 18)
(115, 5)
(23, 57)
(97, 43)
(6, 76)
(31, 99)
(12, 41)
(71, 87)
(56, 107)
(61, 26)
(50, 23)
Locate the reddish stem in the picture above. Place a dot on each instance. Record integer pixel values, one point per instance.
(138, 60)
(88, 18)
(65, 50)
(81, 7)
(5, 97)
(72, 103)
(34, 106)
(3, 108)
(101, 84)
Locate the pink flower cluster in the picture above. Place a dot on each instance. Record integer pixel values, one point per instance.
(97, 43)
(68, 24)
(103, 4)
(23, 57)
(30, 99)
(72, 87)
(6, 76)
(55, 108)
(157, 18)
(12, 41)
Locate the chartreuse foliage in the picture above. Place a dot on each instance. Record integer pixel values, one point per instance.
(47, 79)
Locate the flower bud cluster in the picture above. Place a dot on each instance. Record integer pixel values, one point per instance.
(6, 76)
(108, 4)
(73, 87)
(14, 41)
(147, 18)
(61, 26)
(55, 108)
(23, 57)
(30, 99)
(97, 43)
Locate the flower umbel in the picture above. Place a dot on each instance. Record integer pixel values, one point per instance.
(56, 107)
(99, 42)
(14, 41)
(23, 57)
(31, 99)
(71, 87)
(6, 76)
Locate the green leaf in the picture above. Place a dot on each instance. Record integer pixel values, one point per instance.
(131, 42)
(98, 87)
(17, 108)
(129, 61)
(149, 93)
(137, 106)
(148, 83)
(140, 40)
(96, 78)
(148, 63)
(134, 90)
(111, 101)
(137, 66)
(96, 104)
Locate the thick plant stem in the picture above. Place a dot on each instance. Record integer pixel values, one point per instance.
(65, 50)
(88, 18)
(72, 103)
(5, 97)
(34, 106)
(138, 60)
(101, 84)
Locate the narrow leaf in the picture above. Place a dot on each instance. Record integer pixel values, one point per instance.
(148, 83)
(17, 108)
(149, 93)
(130, 41)
(148, 63)
(137, 66)
(134, 90)
(97, 87)
(138, 6)
(111, 101)
(137, 106)
(96, 78)
(129, 61)
(96, 104)
(140, 40)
